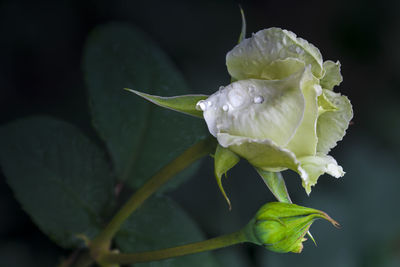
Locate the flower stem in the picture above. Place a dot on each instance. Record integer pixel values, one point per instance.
(102, 242)
(210, 244)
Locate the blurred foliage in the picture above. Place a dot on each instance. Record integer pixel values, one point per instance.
(60, 178)
(140, 136)
(160, 223)
(40, 72)
(65, 183)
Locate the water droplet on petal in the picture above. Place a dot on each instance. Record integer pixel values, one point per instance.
(236, 97)
(258, 99)
(209, 103)
(201, 105)
(225, 107)
(299, 50)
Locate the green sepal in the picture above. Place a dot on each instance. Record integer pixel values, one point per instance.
(185, 103)
(224, 160)
(281, 227)
(243, 31)
(283, 210)
(242, 35)
(276, 184)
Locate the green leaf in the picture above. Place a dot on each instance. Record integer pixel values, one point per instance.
(184, 103)
(61, 179)
(224, 160)
(276, 184)
(141, 137)
(161, 223)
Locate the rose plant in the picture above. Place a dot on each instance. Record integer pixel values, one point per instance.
(279, 112)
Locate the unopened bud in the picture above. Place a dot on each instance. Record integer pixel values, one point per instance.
(281, 227)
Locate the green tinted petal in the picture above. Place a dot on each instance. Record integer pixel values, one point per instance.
(258, 56)
(315, 166)
(224, 160)
(257, 109)
(263, 154)
(324, 105)
(184, 103)
(304, 142)
(332, 125)
(332, 75)
(281, 68)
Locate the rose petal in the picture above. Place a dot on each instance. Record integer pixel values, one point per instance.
(332, 125)
(272, 54)
(315, 166)
(258, 109)
(332, 75)
(305, 140)
(263, 154)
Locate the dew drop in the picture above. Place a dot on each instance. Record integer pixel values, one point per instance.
(209, 103)
(225, 107)
(236, 98)
(258, 99)
(201, 105)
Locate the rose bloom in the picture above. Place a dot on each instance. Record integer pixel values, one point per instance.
(281, 111)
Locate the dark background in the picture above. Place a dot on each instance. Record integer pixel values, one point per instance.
(40, 73)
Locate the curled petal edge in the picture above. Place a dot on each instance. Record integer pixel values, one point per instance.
(315, 166)
(266, 155)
